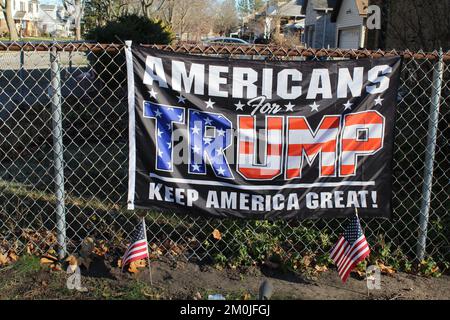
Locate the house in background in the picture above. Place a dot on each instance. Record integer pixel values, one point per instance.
(350, 18)
(319, 29)
(25, 15)
(54, 21)
(284, 18)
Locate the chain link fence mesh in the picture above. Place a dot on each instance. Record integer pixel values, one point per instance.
(95, 138)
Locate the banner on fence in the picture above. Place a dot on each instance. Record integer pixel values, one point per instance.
(260, 139)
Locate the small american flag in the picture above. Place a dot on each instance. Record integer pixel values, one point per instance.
(350, 249)
(138, 248)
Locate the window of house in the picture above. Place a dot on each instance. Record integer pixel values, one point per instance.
(30, 7)
(22, 6)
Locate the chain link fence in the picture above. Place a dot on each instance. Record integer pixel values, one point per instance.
(93, 147)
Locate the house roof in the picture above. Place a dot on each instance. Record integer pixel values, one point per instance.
(318, 4)
(360, 4)
(19, 15)
(47, 7)
(290, 8)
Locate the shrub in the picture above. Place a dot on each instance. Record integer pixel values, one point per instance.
(140, 30)
(110, 67)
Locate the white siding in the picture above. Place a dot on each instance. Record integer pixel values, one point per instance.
(352, 19)
(346, 20)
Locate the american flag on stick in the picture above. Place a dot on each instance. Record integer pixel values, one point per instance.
(138, 248)
(350, 249)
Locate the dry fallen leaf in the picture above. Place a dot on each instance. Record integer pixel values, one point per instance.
(132, 268)
(306, 260)
(45, 260)
(320, 268)
(216, 234)
(3, 259)
(14, 257)
(385, 269)
(246, 296)
(359, 272)
(140, 263)
(101, 249)
(30, 248)
(56, 267)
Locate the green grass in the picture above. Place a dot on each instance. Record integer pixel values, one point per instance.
(27, 264)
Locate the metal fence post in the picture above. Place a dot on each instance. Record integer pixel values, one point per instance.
(429, 155)
(57, 133)
(21, 73)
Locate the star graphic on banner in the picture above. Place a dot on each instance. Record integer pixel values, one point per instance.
(221, 132)
(207, 140)
(219, 151)
(314, 107)
(180, 118)
(196, 149)
(195, 130)
(378, 101)
(348, 105)
(209, 104)
(208, 121)
(159, 133)
(169, 145)
(169, 165)
(181, 99)
(290, 106)
(195, 167)
(153, 93)
(170, 108)
(239, 106)
(221, 171)
(160, 153)
(169, 126)
(158, 113)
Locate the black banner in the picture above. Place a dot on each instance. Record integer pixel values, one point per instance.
(260, 139)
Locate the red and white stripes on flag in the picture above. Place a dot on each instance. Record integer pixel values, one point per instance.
(350, 249)
(362, 135)
(306, 144)
(138, 248)
(271, 166)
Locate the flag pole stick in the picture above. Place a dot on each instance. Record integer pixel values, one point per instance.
(368, 291)
(148, 256)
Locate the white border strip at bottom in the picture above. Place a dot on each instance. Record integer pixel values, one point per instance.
(265, 187)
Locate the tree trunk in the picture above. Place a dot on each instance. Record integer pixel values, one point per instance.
(78, 29)
(78, 14)
(10, 21)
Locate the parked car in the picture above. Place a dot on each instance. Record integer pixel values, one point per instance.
(226, 40)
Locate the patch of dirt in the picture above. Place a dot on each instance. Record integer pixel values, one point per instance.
(186, 280)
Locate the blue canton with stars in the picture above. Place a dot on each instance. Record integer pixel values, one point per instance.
(353, 230)
(210, 143)
(165, 117)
